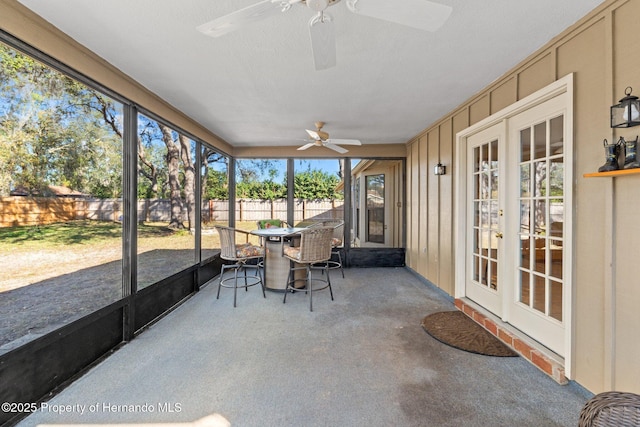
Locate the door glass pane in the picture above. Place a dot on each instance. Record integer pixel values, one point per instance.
(486, 214)
(375, 208)
(540, 255)
(493, 274)
(525, 145)
(494, 184)
(525, 245)
(539, 216)
(484, 157)
(476, 159)
(525, 180)
(556, 177)
(555, 251)
(525, 211)
(493, 220)
(541, 230)
(540, 140)
(539, 293)
(540, 178)
(525, 287)
(476, 268)
(556, 300)
(556, 137)
(494, 154)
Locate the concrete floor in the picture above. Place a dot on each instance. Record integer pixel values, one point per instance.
(361, 360)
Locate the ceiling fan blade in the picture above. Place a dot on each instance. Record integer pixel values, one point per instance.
(344, 141)
(305, 146)
(323, 41)
(421, 14)
(336, 148)
(238, 19)
(313, 134)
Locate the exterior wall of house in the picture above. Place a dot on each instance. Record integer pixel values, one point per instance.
(603, 52)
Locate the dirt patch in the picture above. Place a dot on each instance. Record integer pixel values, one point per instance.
(43, 290)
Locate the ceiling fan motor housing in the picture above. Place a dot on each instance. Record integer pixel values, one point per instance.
(323, 135)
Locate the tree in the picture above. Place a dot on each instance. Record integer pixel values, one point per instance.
(189, 184)
(53, 133)
(316, 184)
(215, 183)
(173, 170)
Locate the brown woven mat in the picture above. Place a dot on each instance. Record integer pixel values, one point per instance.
(454, 328)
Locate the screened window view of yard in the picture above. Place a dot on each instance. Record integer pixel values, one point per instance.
(65, 224)
(62, 170)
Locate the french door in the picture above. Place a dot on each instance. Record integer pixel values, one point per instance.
(485, 218)
(539, 223)
(516, 221)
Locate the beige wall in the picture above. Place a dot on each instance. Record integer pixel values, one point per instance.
(603, 52)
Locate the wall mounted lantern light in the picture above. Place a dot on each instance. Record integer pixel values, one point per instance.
(627, 112)
(439, 169)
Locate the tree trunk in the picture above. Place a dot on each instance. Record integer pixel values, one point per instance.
(189, 180)
(173, 166)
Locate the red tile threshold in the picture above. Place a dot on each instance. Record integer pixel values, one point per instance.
(538, 355)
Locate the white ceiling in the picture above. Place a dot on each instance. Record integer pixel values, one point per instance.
(258, 86)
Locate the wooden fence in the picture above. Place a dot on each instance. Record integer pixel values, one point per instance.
(31, 211)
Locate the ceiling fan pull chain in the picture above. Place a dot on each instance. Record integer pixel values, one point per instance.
(284, 5)
(320, 18)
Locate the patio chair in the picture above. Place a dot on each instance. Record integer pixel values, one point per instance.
(336, 242)
(240, 254)
(611, 409)
(314, 249)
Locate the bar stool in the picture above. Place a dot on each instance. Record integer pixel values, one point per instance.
(240, 254)
(336, 243)
(313, 253)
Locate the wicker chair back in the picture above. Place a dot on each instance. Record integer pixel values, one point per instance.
(315, 244)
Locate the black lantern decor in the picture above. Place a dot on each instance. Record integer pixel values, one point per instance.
(627, 112)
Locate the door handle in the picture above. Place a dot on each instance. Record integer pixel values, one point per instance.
(499, 235)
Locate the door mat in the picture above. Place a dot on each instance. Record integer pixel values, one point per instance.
(456, 329)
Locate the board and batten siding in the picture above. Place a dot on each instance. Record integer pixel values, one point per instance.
(603, 52)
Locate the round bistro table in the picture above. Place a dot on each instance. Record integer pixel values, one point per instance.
(276, 267)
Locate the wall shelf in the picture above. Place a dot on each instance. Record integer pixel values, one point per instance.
(612, 173)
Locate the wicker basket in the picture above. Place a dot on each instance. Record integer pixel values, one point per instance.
(611, 409)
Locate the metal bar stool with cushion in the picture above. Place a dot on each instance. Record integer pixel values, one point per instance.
(336, 242)
(315, 248)
(611, 409)
(240, 254)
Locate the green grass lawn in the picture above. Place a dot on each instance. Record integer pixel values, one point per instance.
(74, 233)
(92, 233)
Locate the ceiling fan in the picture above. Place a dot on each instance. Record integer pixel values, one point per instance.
(320, 138)
(420, 14)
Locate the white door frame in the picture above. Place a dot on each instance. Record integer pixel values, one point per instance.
(389, 202)
(561, 86)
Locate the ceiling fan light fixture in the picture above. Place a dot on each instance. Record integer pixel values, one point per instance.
(317, 5)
